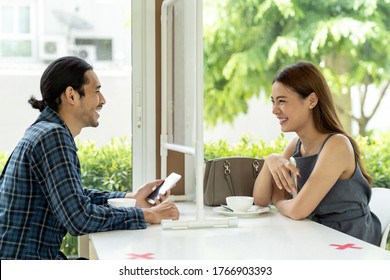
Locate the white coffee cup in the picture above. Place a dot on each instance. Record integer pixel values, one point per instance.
(122, 202)
(239, 203)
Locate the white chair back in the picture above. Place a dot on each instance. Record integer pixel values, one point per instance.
(380, 206)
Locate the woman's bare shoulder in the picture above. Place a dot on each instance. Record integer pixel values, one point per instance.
(338, 141)
(338, 147)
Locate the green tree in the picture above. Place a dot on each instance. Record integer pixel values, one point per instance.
(247, 42)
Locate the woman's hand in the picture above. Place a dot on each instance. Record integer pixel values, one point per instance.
(281, 169)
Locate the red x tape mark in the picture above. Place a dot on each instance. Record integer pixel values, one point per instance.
(345, 246)
(147, 256)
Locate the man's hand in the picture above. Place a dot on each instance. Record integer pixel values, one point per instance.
(142, 193)
(165, 210)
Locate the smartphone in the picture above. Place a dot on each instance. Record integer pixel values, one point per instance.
(168, 184)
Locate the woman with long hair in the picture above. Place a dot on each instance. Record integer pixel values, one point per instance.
(332, 186)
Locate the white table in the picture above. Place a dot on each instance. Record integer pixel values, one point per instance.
(269, 236)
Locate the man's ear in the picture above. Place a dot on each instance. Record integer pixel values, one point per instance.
(70, 95)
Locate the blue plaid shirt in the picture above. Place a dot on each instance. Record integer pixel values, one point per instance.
(42, 198)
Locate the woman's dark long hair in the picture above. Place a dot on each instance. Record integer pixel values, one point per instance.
(305, 78)
(61, 73)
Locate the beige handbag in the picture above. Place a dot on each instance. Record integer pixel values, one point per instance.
(230, 176)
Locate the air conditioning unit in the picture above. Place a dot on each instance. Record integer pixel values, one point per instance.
(87, 52)
(52, 47)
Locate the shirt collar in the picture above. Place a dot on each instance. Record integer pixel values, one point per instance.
(50, 115)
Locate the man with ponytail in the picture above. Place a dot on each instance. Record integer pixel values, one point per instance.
(41, 193)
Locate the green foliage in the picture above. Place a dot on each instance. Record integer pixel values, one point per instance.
(376, 157)
(3, 159)
(69, 246)
(108, 167)
(104, 168)
(246, 146)
(247, 42)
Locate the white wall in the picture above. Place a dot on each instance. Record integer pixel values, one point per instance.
(259, 122)
(16, 114)
(262, 124)
(20, 77)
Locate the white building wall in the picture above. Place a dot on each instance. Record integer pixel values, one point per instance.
(16, 114)
(262, 124)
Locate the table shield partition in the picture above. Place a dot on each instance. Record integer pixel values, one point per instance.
(182, 101)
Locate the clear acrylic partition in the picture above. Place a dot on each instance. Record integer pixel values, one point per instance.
(182, 102)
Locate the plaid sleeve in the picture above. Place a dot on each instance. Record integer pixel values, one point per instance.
(100, 197)
(58, 169)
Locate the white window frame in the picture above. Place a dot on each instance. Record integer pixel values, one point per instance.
(143, 92)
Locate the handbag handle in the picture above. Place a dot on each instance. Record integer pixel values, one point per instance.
(256, 167)
(226, 165)
(227, 171)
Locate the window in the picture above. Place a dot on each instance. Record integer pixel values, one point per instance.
(16, 33)
(35, 32)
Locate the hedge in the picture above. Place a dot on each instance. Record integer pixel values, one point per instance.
(110, 167)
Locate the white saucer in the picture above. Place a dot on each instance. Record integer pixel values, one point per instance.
(253, 211)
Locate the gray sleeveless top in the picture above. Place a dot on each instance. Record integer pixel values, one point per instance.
(345, 207)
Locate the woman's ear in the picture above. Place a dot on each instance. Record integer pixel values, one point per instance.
(313, 100)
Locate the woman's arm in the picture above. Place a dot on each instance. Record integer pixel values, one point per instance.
(336, 161)
(275, 173)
